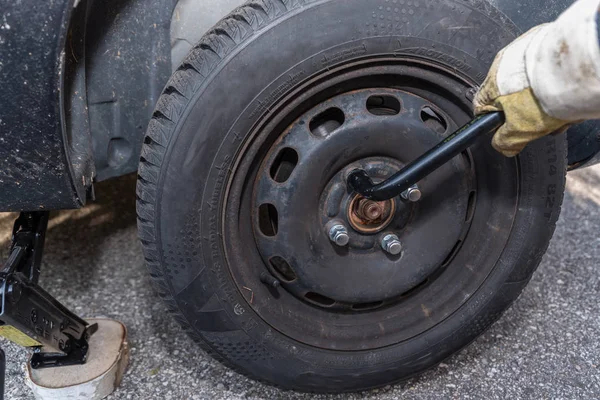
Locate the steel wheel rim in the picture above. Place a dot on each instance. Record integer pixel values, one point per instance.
(391, 309)
(360, 275)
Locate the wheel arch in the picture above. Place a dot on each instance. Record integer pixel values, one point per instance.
(80, 79)
(131, 48)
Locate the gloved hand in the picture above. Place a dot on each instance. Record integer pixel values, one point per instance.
(526, 119)
(545, 80)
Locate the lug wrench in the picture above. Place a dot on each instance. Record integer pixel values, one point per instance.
(360, 182)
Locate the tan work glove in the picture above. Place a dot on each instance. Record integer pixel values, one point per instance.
(545, 80)
(526, 120)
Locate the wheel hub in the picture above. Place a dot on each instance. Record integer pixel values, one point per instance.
(368, 216)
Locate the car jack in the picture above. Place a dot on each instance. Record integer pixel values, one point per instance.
(31, 317)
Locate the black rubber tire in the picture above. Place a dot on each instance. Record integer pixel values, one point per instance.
(199, 126)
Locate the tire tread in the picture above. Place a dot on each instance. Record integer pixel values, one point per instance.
(229, 33)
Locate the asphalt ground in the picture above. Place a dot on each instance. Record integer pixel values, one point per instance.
(545, 347)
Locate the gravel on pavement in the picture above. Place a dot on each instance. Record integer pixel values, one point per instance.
(545, 347)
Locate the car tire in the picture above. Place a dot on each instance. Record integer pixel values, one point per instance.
(264, 71)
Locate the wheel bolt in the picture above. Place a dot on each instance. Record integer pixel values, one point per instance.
(339, 235)
(412, 194)
(370, 210)
(391, 244)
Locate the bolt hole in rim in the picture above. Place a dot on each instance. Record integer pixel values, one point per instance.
(433, 120)
(284, 165)
(327, 122)
(359, 285)
(268, 220)
(383, 105)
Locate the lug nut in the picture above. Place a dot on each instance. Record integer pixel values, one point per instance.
(339, 235)
(412, 194)
(391, 244)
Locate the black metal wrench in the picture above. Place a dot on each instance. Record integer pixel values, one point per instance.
(360, 182)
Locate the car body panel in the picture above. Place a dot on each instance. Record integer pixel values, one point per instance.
(35, 168)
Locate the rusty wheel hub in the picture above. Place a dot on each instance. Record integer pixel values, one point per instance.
(368, 216)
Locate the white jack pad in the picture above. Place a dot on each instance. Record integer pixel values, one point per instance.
(107, 359)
